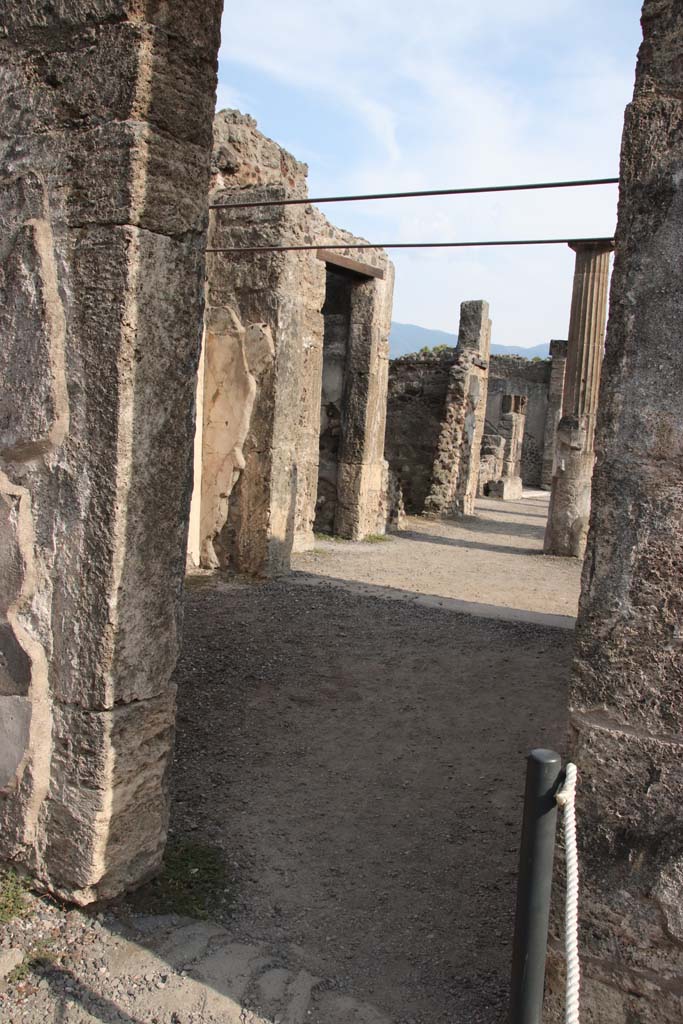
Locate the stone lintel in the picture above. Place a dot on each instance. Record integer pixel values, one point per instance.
(348, 263)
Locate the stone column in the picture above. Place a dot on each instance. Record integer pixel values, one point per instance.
(558, 356)
(574, 455)
(455, 470)
(625, 695)
(105, 140)
(362, 470)
(509, 486)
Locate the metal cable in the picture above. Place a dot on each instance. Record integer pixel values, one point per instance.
(416, 195)
(409, 245)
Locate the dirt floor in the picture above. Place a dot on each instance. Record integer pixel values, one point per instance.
(490, 564)
(355, 762)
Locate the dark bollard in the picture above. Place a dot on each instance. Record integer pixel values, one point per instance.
(543, 776)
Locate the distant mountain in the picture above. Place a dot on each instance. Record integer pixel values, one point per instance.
(405, 338)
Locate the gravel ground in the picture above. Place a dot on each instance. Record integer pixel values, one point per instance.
(356, 764)
(490, 564)
(366, 777)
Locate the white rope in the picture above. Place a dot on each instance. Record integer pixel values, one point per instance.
(566, 800)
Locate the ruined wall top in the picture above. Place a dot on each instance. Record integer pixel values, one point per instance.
(473, 333)
(505, 367)
(437, 357)
(501, 367)
(243, 156)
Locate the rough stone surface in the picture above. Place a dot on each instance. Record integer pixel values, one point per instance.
(507, 488)
(625, 694)
(418, 386)
(491, 461)
(514, 375)
(574, 452)
(558, 357)
(238, 371)
(269, 505)
(511, 425)
(416, 397)
(104, 153)
(455, 471)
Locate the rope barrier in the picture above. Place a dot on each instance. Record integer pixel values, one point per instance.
(566, 800)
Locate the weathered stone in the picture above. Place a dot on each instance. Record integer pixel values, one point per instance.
(329, 328)
(104, 147)
(416, 398)
(558, 356)
(625, 694)
(569, 511)
(530, 379)
(455, 472)
(490, 461)
(507, 488)
(511, 426)
(238, 363)
(436, 420)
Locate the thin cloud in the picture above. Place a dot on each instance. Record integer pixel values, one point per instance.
(450, 93)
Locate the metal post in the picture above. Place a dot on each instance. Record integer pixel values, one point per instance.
(544, 769)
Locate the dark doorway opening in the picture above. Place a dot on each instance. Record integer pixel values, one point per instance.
(337, 322)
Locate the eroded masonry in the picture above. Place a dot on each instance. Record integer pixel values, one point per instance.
(293, 378)
(520, 402)
(104, 148)
(626, 711)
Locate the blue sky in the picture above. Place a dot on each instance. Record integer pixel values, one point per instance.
(398, 96)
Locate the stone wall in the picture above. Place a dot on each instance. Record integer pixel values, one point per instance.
(418, 386)
(508, 485)
(416, 399)
(266, 502)
(625, 695)
(514, 375)
(105, 140)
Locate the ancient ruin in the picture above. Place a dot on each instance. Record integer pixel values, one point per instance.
(108, 158)
(531, 380)
(455, 470)
(511, 432)
(512, 452)
(435, 419)
(105, 145)
(292, 392)
(574, 451)
(558, 356)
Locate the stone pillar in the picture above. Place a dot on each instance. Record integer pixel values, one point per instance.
(625, 695)
(105, 140)
(455, 470)
(511, 426)
(574, 455)
(363, 472)
(558, 356)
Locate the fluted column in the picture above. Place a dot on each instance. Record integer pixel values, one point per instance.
(574, 456)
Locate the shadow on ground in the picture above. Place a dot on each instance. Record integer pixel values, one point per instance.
(366, 776)
(355, 764)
